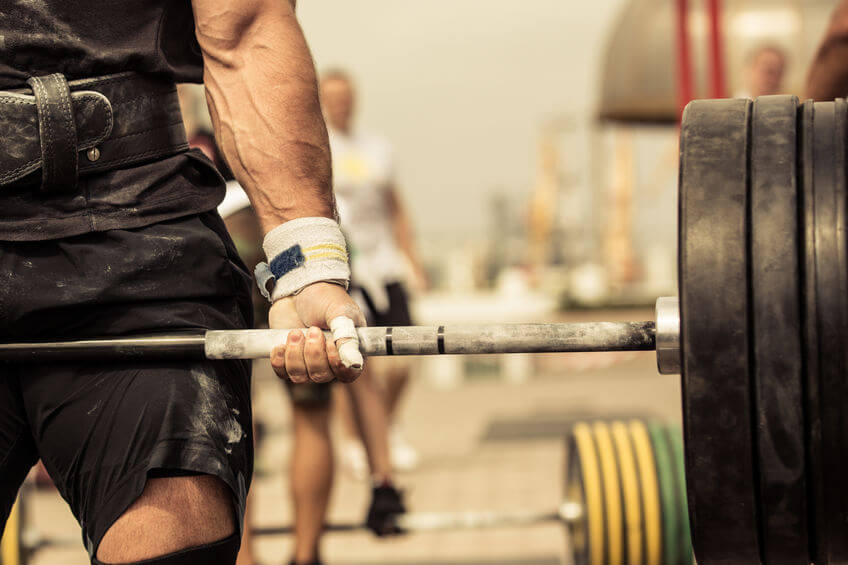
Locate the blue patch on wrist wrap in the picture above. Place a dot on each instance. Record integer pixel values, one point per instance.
(287, 261)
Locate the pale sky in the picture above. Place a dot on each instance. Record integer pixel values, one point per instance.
(461, 88)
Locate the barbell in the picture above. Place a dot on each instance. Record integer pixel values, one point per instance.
(758, 335)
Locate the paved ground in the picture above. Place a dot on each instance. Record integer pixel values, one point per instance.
(484, 445)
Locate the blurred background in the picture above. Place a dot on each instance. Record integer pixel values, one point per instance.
(535, 148)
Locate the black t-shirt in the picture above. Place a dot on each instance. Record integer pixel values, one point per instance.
(89, 38)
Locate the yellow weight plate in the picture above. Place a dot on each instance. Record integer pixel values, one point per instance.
(612, 493)
(10, 545)
(650, 491)
(592, 490)
(630, 490)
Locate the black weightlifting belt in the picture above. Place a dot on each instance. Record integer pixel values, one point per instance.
(57, 131)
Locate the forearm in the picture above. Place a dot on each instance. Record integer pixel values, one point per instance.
(828, 75)
(263, 99)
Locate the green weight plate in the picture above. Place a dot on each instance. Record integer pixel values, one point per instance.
(676, 443)
(668, 494)
(776, 321)
(714, 340)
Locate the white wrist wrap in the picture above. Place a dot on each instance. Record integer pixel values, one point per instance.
(301, 252)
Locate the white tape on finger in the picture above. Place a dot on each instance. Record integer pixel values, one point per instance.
(344, 328)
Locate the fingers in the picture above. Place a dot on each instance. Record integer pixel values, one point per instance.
(344, 374)
(315, 355)
(306, 358)
(312, 357)
(295, 365)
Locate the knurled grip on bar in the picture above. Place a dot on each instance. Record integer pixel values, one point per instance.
(459, 339)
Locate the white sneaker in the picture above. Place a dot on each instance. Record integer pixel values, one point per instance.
(404, 457)
(354, 459)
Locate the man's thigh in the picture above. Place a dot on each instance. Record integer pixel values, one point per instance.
(104, 430)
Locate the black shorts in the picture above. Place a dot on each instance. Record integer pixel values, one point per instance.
(317, 395)
(398, 312)
(102, 428)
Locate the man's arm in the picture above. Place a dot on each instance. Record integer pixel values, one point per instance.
(263, 99)
(828, 75)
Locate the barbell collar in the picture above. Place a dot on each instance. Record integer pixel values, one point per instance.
(668, 335)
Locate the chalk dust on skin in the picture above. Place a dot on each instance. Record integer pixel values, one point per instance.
(212, 415)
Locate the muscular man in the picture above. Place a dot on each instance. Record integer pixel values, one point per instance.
(107, 227)
(828, 75)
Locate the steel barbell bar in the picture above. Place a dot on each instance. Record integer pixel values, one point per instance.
(661, 334)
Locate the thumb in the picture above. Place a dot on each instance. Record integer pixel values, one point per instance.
(347, 342)
(342, 317)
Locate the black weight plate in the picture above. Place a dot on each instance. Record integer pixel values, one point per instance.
(714, 339)
(825, 322)
(837, 339)
(812, 417)
(777, 361)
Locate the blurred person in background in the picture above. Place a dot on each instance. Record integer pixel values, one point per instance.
(765, 71)
(383, 255)
(827, 77)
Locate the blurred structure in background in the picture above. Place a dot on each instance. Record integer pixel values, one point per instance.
(660, 55)
(640, 82)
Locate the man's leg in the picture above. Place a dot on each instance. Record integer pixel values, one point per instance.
(397, 379)
(369, 414)
(311, 478)
(172, 514)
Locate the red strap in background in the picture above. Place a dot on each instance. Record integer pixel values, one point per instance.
(685, 90)
(717, 79)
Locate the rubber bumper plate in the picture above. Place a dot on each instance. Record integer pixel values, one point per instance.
(823, 197)
(715, 341)
(776, 330)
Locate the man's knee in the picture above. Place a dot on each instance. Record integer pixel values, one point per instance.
(172, 514)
